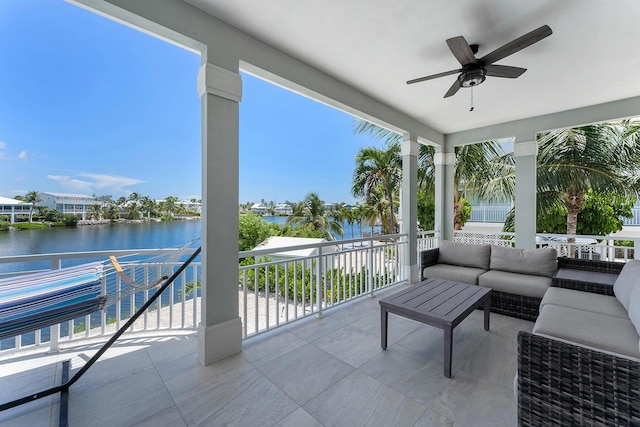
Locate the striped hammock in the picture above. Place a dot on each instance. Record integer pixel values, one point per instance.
(35, 301)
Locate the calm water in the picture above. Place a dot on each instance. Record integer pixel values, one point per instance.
(148, 235)
(349, 232)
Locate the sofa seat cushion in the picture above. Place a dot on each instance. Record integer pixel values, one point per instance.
(603, 304)
(539, 262)
(597, 331)
(514, 283)
(626, 281)
(455, 273)
(464, 254)
(586, 276)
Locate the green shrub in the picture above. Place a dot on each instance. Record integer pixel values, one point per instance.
(29, 226)
(4, 226)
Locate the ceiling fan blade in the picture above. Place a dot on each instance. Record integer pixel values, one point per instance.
(433, 76)
(461, 50)
(504, 71)
(453, 89)
(517, 45)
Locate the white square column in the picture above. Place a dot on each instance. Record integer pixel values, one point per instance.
(220, 328)
(525, 154)
(409, 206)
(444, 186)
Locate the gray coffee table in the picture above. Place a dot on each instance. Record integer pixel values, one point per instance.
(436, 302)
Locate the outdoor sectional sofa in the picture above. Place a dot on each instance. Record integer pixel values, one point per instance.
(580, 366)
(581, 363)
(519, 278)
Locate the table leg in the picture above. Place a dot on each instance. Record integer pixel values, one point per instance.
(448, 351)
(384, 317)
(487, 311)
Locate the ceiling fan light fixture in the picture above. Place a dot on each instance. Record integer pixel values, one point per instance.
(472, 77)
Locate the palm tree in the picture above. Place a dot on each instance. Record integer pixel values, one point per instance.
(381, 168)
(34, 198)
(170, 205)
(311, 213)
(95, 212)
(600, 157)
(148, 205)
(349, 216)
(481, 170)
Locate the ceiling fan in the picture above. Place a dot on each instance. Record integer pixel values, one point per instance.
(474, 71)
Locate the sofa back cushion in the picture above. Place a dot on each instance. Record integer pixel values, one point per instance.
(626, 281)
(634, 309)
(537, 262)
(464, 254)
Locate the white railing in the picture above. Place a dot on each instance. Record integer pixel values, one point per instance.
(602, 248)
(276, 288)
(496, 214)
(334, 273)
(428, 240)
(481, 237)
(175, 309)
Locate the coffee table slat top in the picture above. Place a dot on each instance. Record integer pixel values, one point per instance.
(440, 301)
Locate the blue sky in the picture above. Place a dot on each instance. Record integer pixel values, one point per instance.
(90, 106)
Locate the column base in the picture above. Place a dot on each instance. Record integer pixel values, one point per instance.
(216, 342)
(412, 273)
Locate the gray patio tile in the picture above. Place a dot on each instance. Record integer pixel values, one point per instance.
(471, 403)
(267, 347)
(312, 328)
(493, 361)
(409, 372)
(123, 402)
(305, 372)
(350, 345)
(246, 398)
(359, 400)
(298, 418)
(170, 417)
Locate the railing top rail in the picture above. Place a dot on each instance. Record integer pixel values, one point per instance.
(258, 252)
(91, 254)
(589, 236)
(487, 233)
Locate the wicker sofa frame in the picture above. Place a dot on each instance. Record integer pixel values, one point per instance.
(519, 306)
(564, 384)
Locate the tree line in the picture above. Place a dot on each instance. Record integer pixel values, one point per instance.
(587, 177)
(135, 206)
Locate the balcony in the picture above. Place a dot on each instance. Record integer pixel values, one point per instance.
(311, 353)
(317, 371)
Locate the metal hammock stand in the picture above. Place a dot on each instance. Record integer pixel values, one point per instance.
(71, 311)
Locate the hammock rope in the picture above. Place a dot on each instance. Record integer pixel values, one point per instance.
(63, 389)
(34, 301)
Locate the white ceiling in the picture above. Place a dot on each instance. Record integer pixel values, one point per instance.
(592, 57)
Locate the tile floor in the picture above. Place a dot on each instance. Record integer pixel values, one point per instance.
(316, 372)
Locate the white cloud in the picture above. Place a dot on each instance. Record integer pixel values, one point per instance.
(89, 183)
(3, 145)
(23, 155)
(74, 184)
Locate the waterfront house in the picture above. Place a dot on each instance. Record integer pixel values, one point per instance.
(259, 208)
(12, 207)
(283, 209)
(73, 204)
(357, 57)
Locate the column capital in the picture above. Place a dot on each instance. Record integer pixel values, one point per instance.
(525, 148)
(219, 81)
(447, 159)
(409, 148)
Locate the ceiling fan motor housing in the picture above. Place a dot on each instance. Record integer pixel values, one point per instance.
(472, 76)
